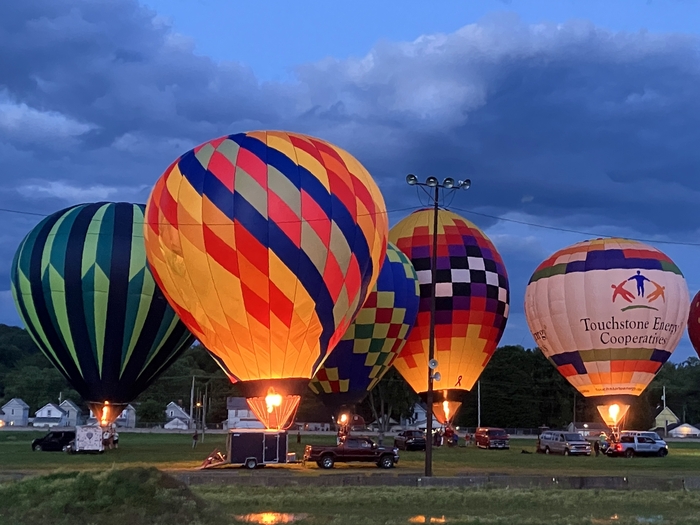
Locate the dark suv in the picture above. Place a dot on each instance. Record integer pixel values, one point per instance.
(410, 440)
(55, 441)
(486, 437)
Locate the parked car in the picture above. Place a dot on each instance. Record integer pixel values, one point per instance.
(487, 437)
(55, 441)
(410, 440)
(645, 433)
(352, 449)
(566, 443)
(631, 445)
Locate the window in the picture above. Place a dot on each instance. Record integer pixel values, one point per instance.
(352, 443)
(13, 411)
(49, 412)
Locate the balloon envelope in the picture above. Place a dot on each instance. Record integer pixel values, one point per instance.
(266, 244)
(84, 291)
(375, 338)
(472, 300)
(607, 313)
(694, 322)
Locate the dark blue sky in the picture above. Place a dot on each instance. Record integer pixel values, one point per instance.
(580, 115)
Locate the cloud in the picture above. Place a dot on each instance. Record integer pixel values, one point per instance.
(74, 194)
(21, 123)
(569, 125)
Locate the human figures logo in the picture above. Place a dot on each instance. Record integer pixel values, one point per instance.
(640, 282)
(640, 301)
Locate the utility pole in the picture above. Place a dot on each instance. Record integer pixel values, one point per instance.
(204, 410)
(666, 419)
(447, 184)
(192, 421)
(478, 403)
(574, 422)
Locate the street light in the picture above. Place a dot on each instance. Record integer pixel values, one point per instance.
(447, 184)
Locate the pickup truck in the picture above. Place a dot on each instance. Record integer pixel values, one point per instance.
(352, 449)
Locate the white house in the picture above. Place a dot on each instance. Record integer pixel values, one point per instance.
(50, 415)
(127, 418)
(587, 430)
(419, 418)
(73, 413)
(176, 424)
(684, 430)
(16, 413)
(176, 417)
(665, 419)
(240, 415)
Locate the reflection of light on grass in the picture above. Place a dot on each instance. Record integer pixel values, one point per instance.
(270, 518)
(427, 519)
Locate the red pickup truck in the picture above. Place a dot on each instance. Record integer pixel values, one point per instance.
(352, 449)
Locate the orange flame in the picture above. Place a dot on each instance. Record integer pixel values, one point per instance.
(613, 414)
(446, 411)
(105, 412)
(275, 411)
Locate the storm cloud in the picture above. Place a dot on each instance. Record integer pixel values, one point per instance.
(568, 125)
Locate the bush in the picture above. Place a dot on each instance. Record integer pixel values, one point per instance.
(136, 496)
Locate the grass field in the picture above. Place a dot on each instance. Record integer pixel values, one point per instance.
(149, 497)
(174, 452)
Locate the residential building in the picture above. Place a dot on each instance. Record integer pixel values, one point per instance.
(50, 415)
(683, 430)
(177, 417)
(74, 416)
(665, 418)
(588, 430)
(16, 413)
(2, 418)
(240, 415)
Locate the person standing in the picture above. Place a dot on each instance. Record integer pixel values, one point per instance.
(195, 438)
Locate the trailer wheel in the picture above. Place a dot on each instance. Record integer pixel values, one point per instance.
(251, 463)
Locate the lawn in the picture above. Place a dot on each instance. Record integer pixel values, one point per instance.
(174, 452)
(149, 497)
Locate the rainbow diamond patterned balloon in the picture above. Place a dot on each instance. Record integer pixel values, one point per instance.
(266, 244)
(375, 338)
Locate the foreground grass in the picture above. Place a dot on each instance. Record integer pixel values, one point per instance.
(393, 505)
(174, 451)
(148, 496)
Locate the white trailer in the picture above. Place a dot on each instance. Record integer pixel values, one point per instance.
(88, 438)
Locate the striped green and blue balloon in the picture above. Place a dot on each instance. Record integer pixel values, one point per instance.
(82, 286)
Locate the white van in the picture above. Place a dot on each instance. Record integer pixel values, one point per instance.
(562, 442)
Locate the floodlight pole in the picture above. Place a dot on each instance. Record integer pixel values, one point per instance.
(449, 184)
(431, 343)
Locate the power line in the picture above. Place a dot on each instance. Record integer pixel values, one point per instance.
(464, 210)
(569, 230)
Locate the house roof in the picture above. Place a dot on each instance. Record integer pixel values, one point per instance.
(17, 402)
(668, 410)
(180, 411)
(236, 403)
(51, 405)
(69, 403)
(684, 425)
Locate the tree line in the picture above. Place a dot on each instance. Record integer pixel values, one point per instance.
(519, 389)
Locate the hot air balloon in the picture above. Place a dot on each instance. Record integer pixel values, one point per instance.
(84, 291)
(607, 313)
(266, 244)
(694, 322)
(375, 338)
(471, 307)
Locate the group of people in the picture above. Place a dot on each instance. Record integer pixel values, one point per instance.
(603, 442)
(110, 437)
(445, 436)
